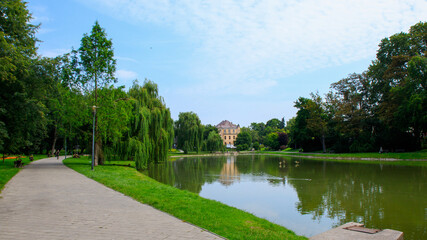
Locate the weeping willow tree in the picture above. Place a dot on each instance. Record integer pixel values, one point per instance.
(189, 131)
(150, 132)
(214, 142)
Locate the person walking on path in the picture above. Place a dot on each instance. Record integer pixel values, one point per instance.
(47, 200)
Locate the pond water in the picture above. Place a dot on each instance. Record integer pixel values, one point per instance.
(307, 196)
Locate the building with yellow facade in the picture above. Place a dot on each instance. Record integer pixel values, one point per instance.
(228, 132)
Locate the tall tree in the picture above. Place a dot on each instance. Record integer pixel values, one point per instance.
(318, 119)
(21, 107)
(301, 135)
(282, 123)
(96, 68)
(189, 132)
(394, 76)
(139, 125)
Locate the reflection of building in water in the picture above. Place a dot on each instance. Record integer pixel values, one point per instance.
(229, 172)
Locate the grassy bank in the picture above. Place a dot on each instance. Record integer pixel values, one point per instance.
(408, 159)
(8, 170)
(403, 155)
(214, 216)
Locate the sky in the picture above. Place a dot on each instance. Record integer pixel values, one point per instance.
(239, 60)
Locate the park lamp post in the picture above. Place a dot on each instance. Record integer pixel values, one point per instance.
(93, 137)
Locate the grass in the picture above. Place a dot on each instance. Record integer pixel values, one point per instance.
(8, 170)
(214, 216)
(406, 158)
(405, 155)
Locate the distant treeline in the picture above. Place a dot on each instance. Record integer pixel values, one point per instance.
(383, 107)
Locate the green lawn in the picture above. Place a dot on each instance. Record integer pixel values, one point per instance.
(8, 170)
(405, 158)
(214, 216)
(404, 155)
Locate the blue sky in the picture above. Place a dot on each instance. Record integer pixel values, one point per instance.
(244, 61)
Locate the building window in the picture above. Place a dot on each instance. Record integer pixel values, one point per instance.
(225, 137)
(233, 130)
(234, 137)
(229, 137)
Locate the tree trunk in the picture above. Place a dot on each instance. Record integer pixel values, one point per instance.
(323, 143)
(55, 137)
(99, 154)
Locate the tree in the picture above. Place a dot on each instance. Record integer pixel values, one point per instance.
(272, 141)
(300, 134)
(243, 141)
(318, 119)
(393, 75)
(282, 138)
(207, 130)
(189, 132)
(274, 123)
(22, 111)
(282, 123)
(96, 67)
(214, 142)
(139, 125)
(350, 109)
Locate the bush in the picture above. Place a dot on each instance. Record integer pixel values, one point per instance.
(283, 147)
(242, 147)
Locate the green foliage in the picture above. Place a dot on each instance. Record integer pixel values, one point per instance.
(22, 111)
(243, 141)
(273, 123)
(300, 134)
(94, 67)
(256, 145)
(283, 139)
(148, 133)
(189, 132)
(272, 141)
(282, 123)
(214, 142)
(96, 64)
(383, 107)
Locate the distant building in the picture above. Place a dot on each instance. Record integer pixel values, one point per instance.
(228, 132)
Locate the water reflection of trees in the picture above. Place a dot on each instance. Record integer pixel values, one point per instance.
(188, 174)
(379, 196)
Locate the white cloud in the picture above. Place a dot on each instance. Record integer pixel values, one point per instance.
(253, 44)
(126, 75)
(54, 52)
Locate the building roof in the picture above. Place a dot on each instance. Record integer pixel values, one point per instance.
(226, 124)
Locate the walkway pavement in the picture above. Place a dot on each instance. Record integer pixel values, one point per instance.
(47, 200)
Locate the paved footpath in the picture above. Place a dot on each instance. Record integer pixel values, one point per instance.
(47, 200)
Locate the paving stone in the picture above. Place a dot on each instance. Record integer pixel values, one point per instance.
(47, 200)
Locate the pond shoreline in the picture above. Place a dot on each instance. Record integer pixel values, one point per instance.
(303, 156)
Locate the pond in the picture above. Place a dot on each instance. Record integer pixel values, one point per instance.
(308, 196)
